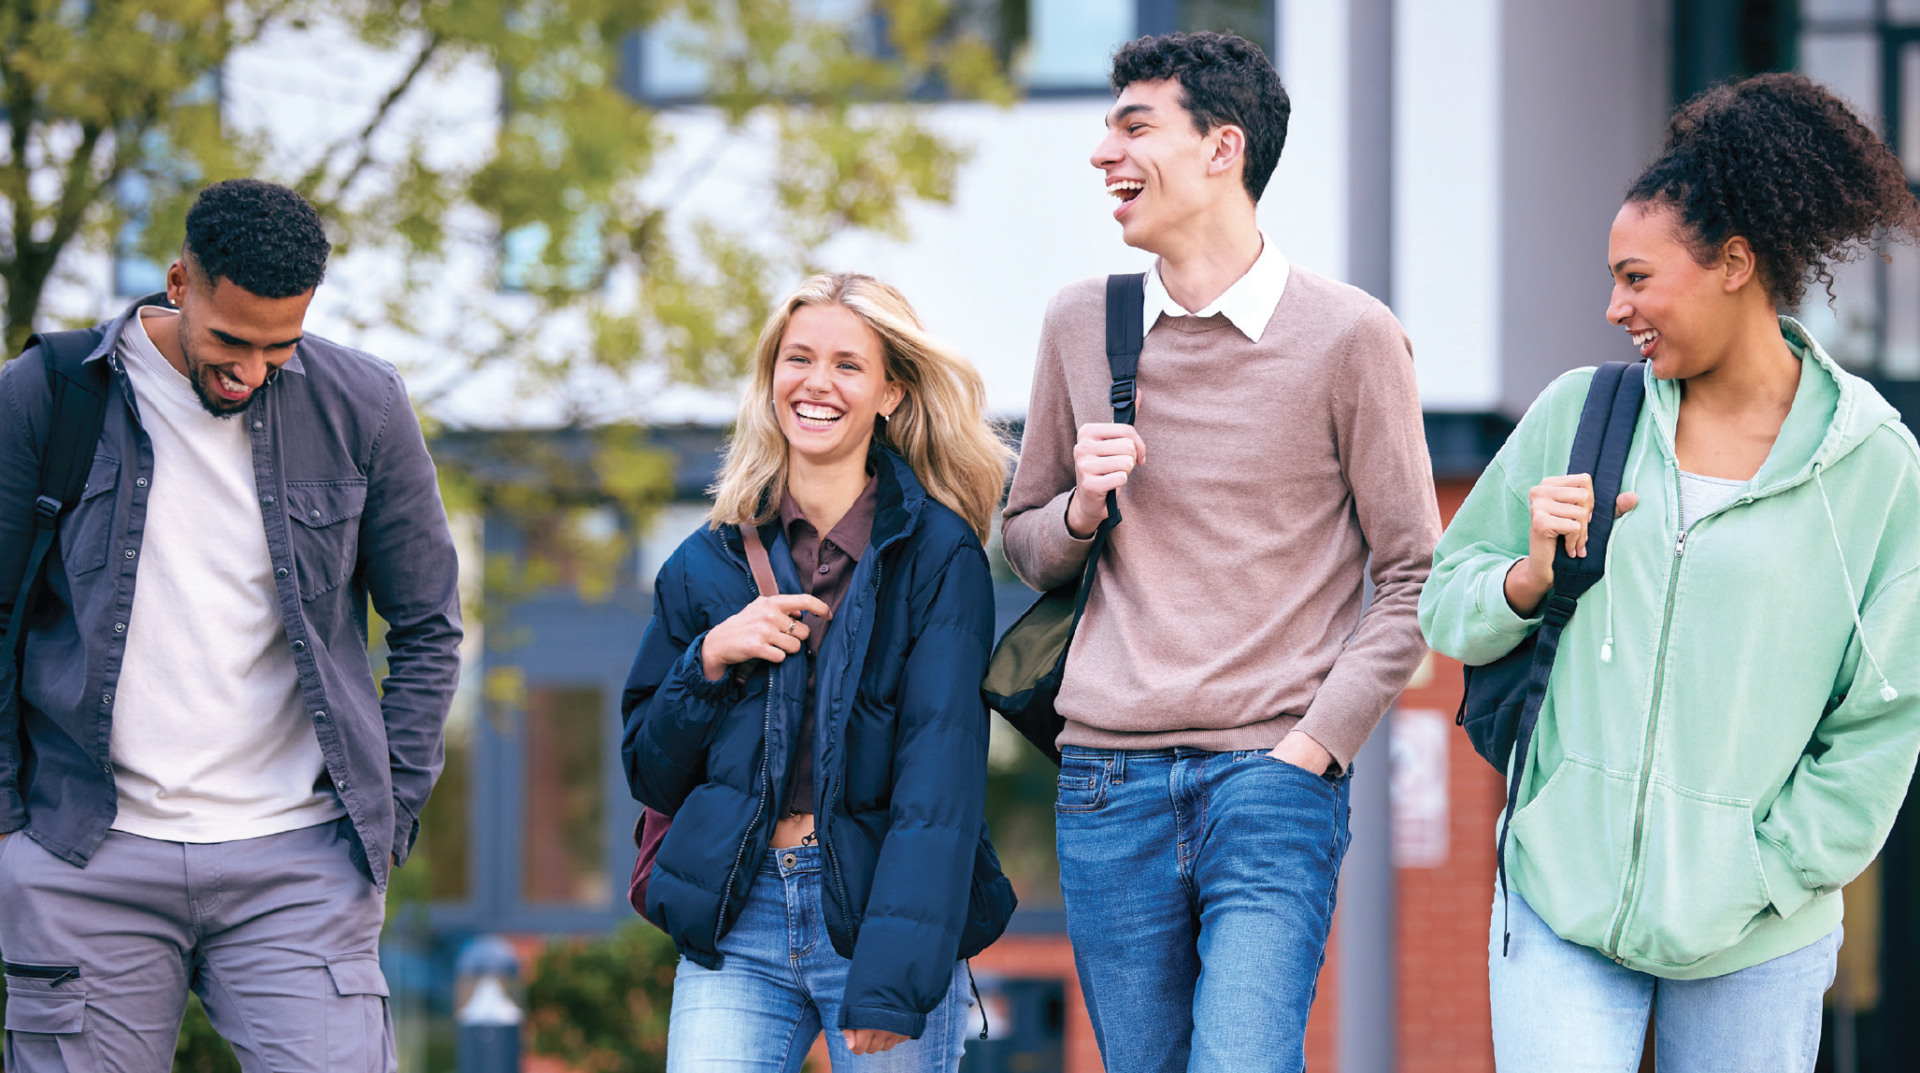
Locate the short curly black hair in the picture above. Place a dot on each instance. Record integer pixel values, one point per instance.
(1223, 79)
(263, 237)
(1781, 161)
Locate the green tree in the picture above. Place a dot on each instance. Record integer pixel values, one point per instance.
(97, 93)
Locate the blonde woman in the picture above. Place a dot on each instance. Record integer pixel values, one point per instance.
(823, 751)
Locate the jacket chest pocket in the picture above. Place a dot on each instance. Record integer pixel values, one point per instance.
(88, 528)
(325, 532)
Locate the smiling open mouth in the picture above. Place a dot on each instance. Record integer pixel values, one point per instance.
(816, 416)
(1126, 189)
(229, 385)
(1644, 341)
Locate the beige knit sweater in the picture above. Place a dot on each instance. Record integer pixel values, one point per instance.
(1228, 605)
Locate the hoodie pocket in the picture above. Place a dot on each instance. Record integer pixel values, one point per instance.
(1700, 886)
(1569, 847)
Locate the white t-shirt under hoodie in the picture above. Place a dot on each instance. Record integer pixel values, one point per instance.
(210, 742)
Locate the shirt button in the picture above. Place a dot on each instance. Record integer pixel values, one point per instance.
(314, 514)
(258, 425)
(320, 714)
(106, 698)
(268, 500)
(281, 573)
(119, 627)
(299, 646)
(142, 482)
(129, 553)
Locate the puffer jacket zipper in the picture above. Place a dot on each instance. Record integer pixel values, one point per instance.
(835, 785)
(764, 779)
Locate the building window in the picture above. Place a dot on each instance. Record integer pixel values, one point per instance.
(564, 821)
(1051, 47)
(1868, 51)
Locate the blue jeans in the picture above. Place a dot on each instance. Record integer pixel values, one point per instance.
(780, 981)
(1567, 1008)
(1199, 890)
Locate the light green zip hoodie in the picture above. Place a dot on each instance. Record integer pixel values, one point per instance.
(1734, 714)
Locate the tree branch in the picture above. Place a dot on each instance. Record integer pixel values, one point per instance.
(380, 114)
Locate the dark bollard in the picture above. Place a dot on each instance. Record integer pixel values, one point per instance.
(486, 983)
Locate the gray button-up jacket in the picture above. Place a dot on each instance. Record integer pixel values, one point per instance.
(352, 512)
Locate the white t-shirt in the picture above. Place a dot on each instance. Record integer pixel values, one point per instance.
(210, 742)
(1701, 495)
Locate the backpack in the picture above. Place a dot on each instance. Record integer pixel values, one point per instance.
(1503, 698)
(79, 413)
(1023, 678)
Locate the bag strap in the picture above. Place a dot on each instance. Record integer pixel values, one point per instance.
(78, 414)
(1126, 331)
(1600, 447)
(757, 559)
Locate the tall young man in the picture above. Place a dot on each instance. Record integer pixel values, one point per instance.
(1224, 675)
(204, 789)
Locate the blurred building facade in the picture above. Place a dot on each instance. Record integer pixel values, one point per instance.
(1459, 160)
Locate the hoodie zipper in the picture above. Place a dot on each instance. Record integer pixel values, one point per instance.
(1653, 724)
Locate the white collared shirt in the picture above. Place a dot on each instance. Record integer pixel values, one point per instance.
(1248, 305)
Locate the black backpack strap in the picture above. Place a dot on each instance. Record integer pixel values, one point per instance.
(78, 413)
(1600, 447)
(1126, 332)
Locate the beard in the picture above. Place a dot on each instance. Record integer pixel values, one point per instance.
(198, 373)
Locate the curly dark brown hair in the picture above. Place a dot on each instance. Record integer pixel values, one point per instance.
(1223, 79)
(1781, 161)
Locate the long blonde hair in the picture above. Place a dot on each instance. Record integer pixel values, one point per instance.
(940, 426)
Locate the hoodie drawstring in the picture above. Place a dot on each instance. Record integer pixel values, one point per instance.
(977, 1004)
(1887, 692)
(1606, 568)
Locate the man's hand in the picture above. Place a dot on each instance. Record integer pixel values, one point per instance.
(1102, 458)
(871, 1040)
(1302, 752)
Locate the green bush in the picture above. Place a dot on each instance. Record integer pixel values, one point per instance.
(201, 1050)
(601, 1005)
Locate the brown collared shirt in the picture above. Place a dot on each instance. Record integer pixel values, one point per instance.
(825, 565)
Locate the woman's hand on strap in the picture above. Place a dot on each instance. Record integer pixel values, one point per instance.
(768, 628)
(871, 1040)
(1561, 507)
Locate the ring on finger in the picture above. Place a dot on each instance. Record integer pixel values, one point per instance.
(791, 623)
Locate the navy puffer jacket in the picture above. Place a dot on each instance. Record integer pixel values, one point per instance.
(899, 753)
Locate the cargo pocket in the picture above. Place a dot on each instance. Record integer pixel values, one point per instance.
(326, 531)
(47, 1030)
(357, 1035)
(88, 528)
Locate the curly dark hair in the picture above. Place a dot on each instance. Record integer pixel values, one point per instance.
(263, 237)
(1781, 161)
(1223, 79)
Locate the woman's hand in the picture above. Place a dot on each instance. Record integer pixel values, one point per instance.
(768, 628)
(871, 1040)
(1561, 508)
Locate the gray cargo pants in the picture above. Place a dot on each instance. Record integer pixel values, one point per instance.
(279, 936)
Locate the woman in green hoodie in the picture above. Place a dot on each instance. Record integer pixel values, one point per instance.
(1734, 712)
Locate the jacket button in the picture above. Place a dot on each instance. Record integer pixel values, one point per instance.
(281, 573)
(129, 553)
(142, 482)
(267, 500)
(258, 425)
(106, 698)
(299, 646)
(320, 714)
(106, 768)
(314, 514)
(119, 627)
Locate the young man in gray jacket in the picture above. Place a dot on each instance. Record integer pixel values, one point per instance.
(1224, 675)
(200, 787)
